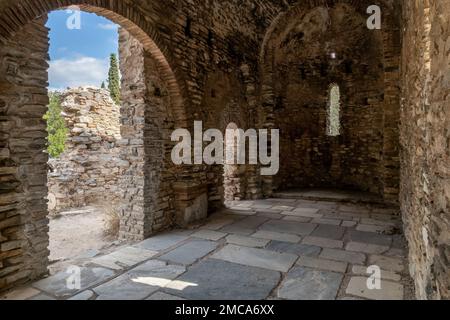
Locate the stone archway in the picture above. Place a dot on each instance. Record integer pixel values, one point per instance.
(15, 15)
(151, 203)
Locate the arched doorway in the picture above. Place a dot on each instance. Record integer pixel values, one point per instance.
(152, 106)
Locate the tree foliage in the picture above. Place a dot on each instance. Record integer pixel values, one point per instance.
(56, 126)
(114, 79)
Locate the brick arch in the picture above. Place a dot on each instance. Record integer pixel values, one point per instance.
(17, 14)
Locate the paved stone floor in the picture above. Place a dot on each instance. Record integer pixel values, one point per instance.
(265, 249)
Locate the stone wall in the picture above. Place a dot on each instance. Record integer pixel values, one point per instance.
(425, 140)
(90, 169)
(146, 127)
(305, 54)
(23, 164)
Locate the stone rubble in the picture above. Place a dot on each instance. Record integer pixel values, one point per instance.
(89, 171)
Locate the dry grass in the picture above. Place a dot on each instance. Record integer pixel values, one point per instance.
(112, 222)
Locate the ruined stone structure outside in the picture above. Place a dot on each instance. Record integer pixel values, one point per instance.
(258, 64)
(90, 169)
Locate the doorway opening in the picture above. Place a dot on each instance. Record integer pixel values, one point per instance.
(86, 167)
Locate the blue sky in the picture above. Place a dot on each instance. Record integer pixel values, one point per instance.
(80, 57)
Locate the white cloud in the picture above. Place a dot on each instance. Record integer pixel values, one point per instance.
(107, 26)
(79, 71)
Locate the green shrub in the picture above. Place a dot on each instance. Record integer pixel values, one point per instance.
(56, 126)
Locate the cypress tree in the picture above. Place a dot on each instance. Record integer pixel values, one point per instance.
(113, 79)
(56, 127)
(103, 85)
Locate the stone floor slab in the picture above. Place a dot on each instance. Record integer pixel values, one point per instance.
(375, 228)
(83, 296)
(190, 252)
(269, 235)
(220, 280)
(161, 296)
(342, 255)
(292, 227)
(354, 208)
(268, 211)
(297, 219)
(380, 222)
(322, 264)
(304, 212)
(370, 237)
(307, 210)
(385, 275)
(217, 223)
(257, 206)
(393, 252)
(329, 232)
(366, 248)
(297, 249)
(282, 200)
(349, 224)
(57, 285)
(269, 215)
(306, 284)
(389, 290)
(244, 203)
(42, 297)
(161, 242)
(246, 241)
(21, 294)
(256, 257)
(303, 203)
(323, 242)
(209, 235)
(232, 229)
(140, 282)
(387, 263)
(333, 222)
(250, 222)
(241, 211)
(283, 208)
(124, 258)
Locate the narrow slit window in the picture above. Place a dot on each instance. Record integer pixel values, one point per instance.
(334, 112)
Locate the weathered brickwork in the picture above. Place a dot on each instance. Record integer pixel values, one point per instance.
(89, 170)
(425, 140)
(23, 164)
(147, 123)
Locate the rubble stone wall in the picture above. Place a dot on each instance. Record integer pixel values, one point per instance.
(89, 170)
(425, 140)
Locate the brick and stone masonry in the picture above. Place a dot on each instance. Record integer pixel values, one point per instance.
(425, 145)
(259, 64)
